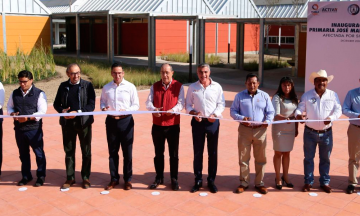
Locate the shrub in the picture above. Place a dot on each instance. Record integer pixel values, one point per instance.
(39, 61)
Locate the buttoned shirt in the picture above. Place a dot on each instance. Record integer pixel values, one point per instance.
(117, 97)
(41, 103)
(2, 95)
(177, 108)
(351, 106)
(258, 107)
(316, 108)
(207, 101)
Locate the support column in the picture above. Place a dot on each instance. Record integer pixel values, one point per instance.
(111, 39)
(118, 39)
(4, 31)
(261, 53)
(240, 35)
(152, 43)
(200, 38)
(297, 36)
(77, 35)
(57, 38)
(91, 27)
(51, 35)
(194, 39)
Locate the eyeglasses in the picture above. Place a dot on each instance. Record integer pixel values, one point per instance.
(23, 81)
(75, 73)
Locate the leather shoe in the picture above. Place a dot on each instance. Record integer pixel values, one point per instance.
(350, 189)
(86, 184)
(306, 187)
(241, 189)
(39, 182)
(156, 183)
(261, 189)
(196, 187)
(326, 188)
(111, 185)
(67, 184)
(174, 184)
(24, 181)
(127, 186)
(212, 187)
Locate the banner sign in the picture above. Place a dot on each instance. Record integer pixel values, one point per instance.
(333, 44)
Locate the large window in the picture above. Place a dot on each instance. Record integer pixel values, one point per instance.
(284, 40)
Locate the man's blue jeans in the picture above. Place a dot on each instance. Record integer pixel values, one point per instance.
(325, 141)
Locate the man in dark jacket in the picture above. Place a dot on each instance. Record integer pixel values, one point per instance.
(75, 96)
(29, 100)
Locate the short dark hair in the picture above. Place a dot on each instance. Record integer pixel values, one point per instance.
(115, 65)
(72, 65)
(25, 73)
(251, 75)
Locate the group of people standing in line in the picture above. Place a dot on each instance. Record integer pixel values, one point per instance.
(252, 107)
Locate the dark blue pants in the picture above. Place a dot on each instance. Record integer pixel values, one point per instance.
(200, 130)
(120, 133)
(33, 139)
(159, 135)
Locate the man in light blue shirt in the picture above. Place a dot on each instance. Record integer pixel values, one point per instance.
(351, 108)
(253, 105)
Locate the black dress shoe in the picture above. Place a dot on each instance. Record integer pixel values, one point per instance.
(278, 186)
(156, 183)
(196, 187)
(174, 184)
(39, 182)
(212, 187)
(24, 181)
(284, 183)
(350, 189)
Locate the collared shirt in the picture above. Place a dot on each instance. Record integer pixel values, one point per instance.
(351, 106)
(177, 108)
(316, 108)
(117, 97)
(2, 95)
(207, 101)
(41, 103)
(258, 107)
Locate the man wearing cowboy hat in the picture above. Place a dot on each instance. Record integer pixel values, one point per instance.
(324, 105)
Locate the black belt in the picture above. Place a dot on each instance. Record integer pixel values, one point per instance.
(118, 117)
(318, 131)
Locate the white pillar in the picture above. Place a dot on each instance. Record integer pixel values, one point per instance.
(261, 53)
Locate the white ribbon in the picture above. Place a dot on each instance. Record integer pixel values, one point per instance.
(116, 113)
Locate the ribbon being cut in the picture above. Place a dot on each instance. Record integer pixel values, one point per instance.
(150, 112)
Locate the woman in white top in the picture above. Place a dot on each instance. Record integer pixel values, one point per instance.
(285, 102)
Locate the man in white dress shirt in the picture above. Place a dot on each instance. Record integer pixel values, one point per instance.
(323, 104)
(205, 100)
(29, 100)
(119, 95)
(166, 95)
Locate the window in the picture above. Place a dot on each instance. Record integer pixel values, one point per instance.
(284, 40)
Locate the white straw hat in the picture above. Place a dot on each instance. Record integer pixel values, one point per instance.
(320, 73)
